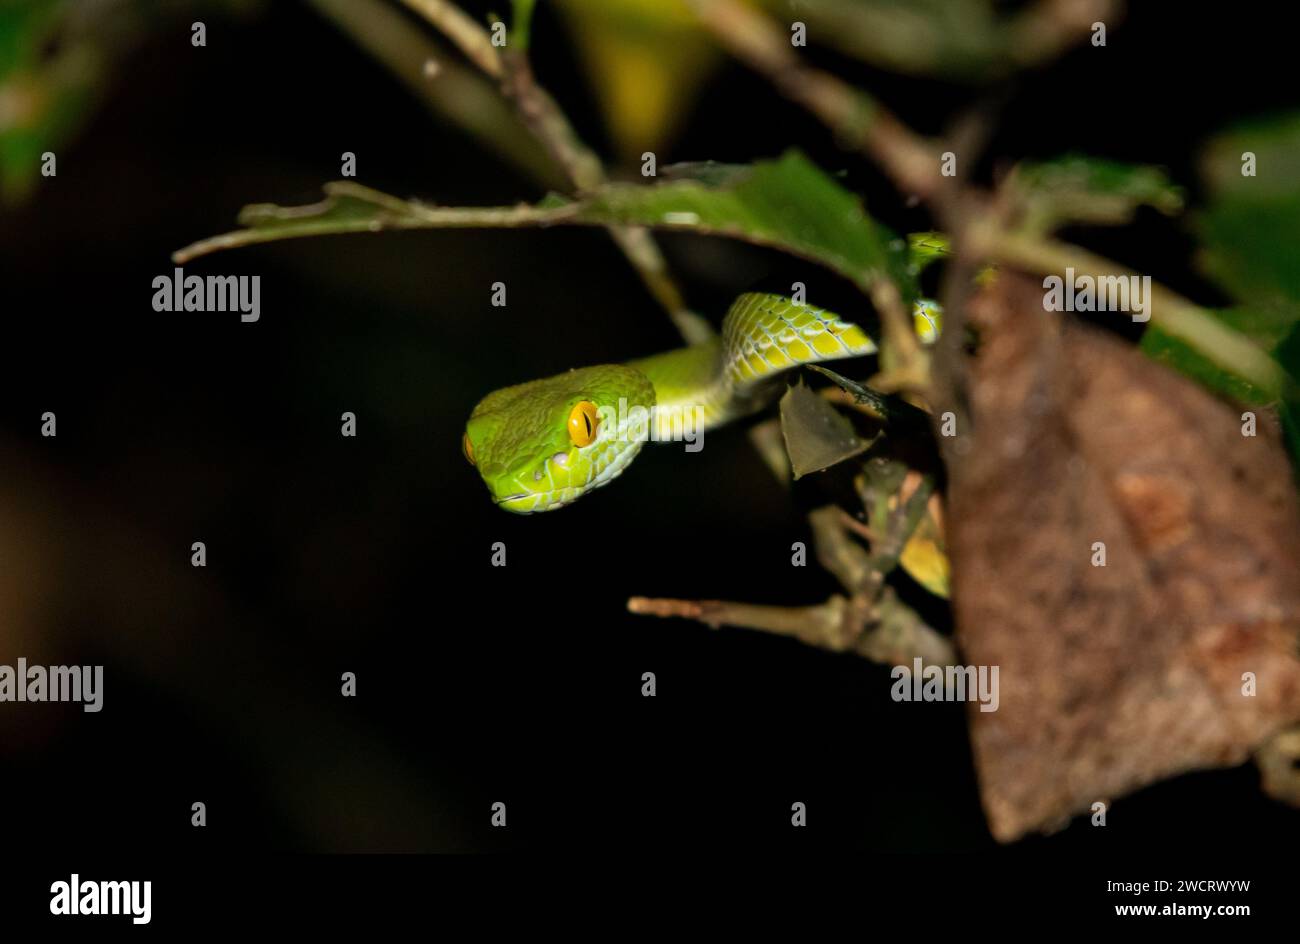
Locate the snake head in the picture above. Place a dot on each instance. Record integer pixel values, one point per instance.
(544, 444)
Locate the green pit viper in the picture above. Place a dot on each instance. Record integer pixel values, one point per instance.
(544, 444)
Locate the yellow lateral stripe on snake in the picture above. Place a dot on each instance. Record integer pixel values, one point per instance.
(542, 445)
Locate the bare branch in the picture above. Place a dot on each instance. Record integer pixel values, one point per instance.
(889, 633)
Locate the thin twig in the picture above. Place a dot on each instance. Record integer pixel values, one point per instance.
(838, 553)
(829, 625)
(861, 529)
(889, 633)
(553, 130)
(550, 126)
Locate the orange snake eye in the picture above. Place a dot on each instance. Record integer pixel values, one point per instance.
(468, 448)
(584, 420)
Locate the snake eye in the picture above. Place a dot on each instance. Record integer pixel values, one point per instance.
(468, 448)
(583, 422)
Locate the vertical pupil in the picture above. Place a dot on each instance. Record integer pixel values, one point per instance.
(587, 421)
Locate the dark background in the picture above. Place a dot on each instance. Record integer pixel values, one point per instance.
(372, 555)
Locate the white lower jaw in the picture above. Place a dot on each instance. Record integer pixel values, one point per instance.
(537, 502)
(530, 504)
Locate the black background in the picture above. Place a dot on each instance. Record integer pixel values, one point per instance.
(372, 555)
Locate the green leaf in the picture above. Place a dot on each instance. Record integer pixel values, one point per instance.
(788, 204)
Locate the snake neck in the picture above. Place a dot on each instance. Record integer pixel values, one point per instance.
(736, 373)
(691, 389)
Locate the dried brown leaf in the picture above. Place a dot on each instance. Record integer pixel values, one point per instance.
(1115, 676)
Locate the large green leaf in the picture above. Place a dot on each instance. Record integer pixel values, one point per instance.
(788, 204)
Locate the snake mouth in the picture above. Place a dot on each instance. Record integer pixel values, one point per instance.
(531, 503)
(524, 503)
